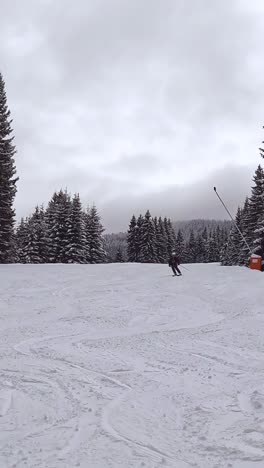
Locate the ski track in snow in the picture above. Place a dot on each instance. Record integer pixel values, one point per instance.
(123, 366)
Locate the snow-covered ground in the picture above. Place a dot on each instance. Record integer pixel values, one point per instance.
(124, 366)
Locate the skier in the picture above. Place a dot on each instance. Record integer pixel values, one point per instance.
(174, 263)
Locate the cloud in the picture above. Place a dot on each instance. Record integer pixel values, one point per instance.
(119, 99)
(190, 201)
(137, 164)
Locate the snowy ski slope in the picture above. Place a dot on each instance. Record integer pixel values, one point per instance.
(117, 366)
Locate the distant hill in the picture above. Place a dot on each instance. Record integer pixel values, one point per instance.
(198, 225)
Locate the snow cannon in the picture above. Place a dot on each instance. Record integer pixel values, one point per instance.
(256, 262)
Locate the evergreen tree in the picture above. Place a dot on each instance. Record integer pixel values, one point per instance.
(139, 237)
(155, 222)
(94, 231)
(119, 256)
(213, 254)
(42, 233)
(31, 238)
(76, 235)
(202, 246)
(131, 240)
(39, 235)
(250, 221)
(244, 253)
(224, 235)
(219, 240)
(21, 241)
(7, 179)
(31, 246)
(171, 237)
(201, 255)
(180, 245)
(161, 242)
(205, 235)
(228, 251)
(256, 206)
(223, 253)
(148, 252)
(233, 246)
(258, 197)
(259, 237)
(191, 248)
(57, 219)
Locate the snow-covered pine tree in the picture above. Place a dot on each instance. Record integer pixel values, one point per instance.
(223, 255)
(76, 235)
(205, 234)
(161, 242)
(94, 237)
(32, 238)
(148, 252)
(258, 196)
(191, 249)
(205, 243)
(7, 179)
(31, 247)
(57, 218)
(256, 206)
(244, 253)
(155, 222)
(217, 239)
(139, 237)
(171, 237)
(213, 254)
(42, 233)
(21, 240)
(119, 256)
(201, 256)
(259, 237)
(224, 235)
(131, 240)
(180, 245)
(233, 247)
(218, 234)
(165, 223)
(227, 252)
(38, 230)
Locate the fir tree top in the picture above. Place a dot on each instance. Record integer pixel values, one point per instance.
(7, 179)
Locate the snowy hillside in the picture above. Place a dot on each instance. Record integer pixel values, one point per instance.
(117, 366)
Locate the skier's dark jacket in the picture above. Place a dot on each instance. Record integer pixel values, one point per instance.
(174, 260)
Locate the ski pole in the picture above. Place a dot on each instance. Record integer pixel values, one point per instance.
(227, 210)
(185, 268)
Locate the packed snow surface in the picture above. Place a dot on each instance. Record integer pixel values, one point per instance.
(125, 366)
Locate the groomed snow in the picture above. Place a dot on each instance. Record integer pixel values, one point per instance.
(125, 366)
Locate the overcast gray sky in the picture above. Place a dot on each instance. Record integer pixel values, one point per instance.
(135, 103)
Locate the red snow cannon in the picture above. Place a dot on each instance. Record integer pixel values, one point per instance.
(255, 262)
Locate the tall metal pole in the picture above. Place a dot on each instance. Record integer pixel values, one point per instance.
(227, 210)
